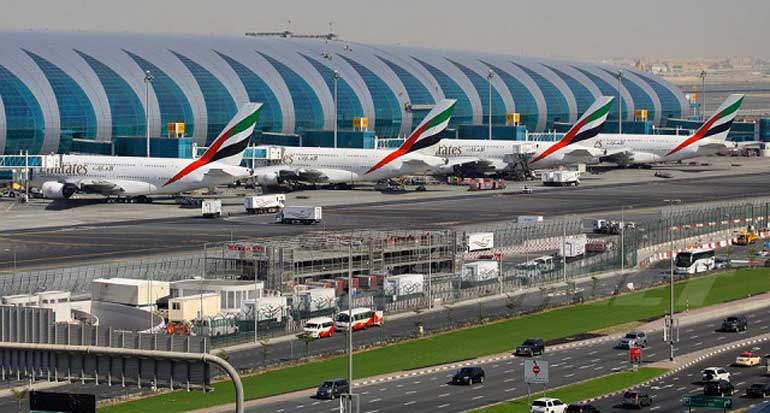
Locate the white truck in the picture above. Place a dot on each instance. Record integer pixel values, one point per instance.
(479, 241)
(561, 178)
(263, 204)
(211, 208)
(404, 284)
(529, 219)
(300, 215)
(573, 246)
(479, 271)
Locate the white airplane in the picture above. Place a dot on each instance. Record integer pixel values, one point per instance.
(347, 166)
(136, 178)
(628, 149)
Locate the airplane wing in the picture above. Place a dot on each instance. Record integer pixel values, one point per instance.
(99, 186)
(582, 154)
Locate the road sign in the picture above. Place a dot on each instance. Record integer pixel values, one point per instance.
(721, 403)
(536, 371)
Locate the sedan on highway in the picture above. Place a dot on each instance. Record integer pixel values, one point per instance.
(548, 405)
(719, 388)
(469, 375)
(633, 339)
(636, 399)
(760, 390)
(748, 359)
(715, 374)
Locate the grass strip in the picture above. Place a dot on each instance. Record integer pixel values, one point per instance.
(581, 391)
(472, 342)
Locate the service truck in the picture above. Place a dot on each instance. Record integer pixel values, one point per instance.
(573, 246)
(300, 215)
(529, 219)
(403, 284)
(479, 241)
(211, 208)
(263, 204)
(479, 271)
(561, 178)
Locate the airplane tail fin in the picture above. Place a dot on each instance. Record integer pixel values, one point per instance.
(425, 134)
(718, 125)
(586, 127)
(229, 146)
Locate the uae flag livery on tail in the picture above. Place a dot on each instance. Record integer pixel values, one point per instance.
(425, 133)
(586, 127)
(228, 147)
(717, 126)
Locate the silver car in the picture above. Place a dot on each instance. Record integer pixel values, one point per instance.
(633, 339)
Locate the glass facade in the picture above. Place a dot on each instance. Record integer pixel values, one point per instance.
(24, 123)
(308, 113)
(76, 115)
(270, 116)
(348, 105)
(670, 105)
(387, 109)
(418, 93)
(558, 109)
(172, 102)
(525, 103)
(482, 87)
(583, 97)
(607, 90)
(220, 107)
(127, 113)
(463, 113)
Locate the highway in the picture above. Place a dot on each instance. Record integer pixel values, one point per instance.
(82, 243)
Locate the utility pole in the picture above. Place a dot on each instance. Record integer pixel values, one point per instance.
(622, 240)
(620, 102)
(430, 271)
(490, 75)
(349, 401)
(147, 80)
(703, 92)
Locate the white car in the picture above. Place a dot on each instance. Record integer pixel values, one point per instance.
(715, 374)
(547, 405)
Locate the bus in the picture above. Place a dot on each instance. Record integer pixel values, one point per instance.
(695, 261)
(362, 318)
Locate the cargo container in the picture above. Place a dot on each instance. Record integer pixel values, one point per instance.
(189, 308)
(573, 246)
(211, 208)
(300, 215)
(344, 282)
(367, 282)
(263, 204)
(561, 178)
(529, 219)
(479, 271)
(403, 285)
(479, 241)
(129, 291)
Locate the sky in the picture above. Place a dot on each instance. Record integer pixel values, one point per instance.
(590, 29)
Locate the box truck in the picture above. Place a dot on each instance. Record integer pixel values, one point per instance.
(561, 178)
(573, 246)
(479, 241)
(479, 271)
(263, 204)
(300, 215)
(211, 208)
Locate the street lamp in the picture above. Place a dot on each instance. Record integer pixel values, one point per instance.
(336, 77)
(490, 75)
(620, 102)
(703, 92)
(670, 202)
(147, 80)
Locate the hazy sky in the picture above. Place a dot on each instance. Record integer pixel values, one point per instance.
(574, 28)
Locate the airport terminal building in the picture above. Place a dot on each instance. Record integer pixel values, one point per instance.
(55, 87)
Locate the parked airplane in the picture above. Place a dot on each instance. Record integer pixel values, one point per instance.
(135, 177)
(628, 149)
(345, 166)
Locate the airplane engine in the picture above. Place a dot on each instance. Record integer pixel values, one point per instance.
(57, 190)
(268, 179)
(644, 158)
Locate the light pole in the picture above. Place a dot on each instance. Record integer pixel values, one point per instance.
(671, 279)
(350, 324)
(490, 75)
(703, 92)
(336, 77)
(622, 239)
(620, 102)
(147, 80)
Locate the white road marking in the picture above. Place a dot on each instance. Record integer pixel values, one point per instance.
(442, 406)
(411, 392)
(477, 397)
(374, 400)
(444, 395)
(510, 390)
(409, 403)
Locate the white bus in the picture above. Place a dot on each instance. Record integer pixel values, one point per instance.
(695, 261)
(362, 318)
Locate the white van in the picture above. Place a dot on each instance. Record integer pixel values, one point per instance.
(319, 327)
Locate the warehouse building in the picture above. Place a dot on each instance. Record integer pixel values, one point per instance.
(56, 87)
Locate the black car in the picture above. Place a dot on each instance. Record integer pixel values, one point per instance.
(531, 347)
(581, 408)
(758, 390)
(469, 375)
(735, 323)
(719, 388)
(332, 389)
(636, 399)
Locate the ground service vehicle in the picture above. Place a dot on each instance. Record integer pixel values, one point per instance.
(362, 318)
(748, 359)
(636, 399)
(548, 405)
(581, 408)
(746, 237)
(332, 389)
(319, 327)
(479, 241)
(211, 208)
(573, 247)
(300, 215)
(263, 204)
(633, 339)
(529, 219)
(561, 178)
(469, 375)
(758, 390)
(720, 388)
(531, 347)
(695, 261)
(735, 323)
(715, 374)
